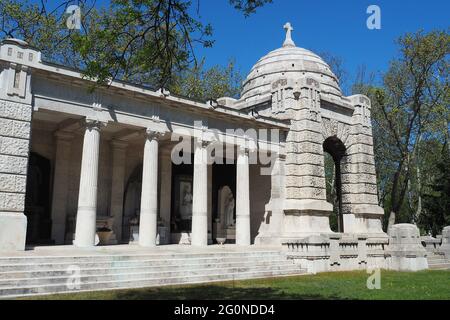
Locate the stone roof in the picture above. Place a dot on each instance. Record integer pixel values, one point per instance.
(289, 62)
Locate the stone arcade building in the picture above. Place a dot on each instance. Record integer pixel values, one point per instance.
(72, 161)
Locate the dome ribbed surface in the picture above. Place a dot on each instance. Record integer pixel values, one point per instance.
(290, 63)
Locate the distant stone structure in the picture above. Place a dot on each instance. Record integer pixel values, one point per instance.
(69, 157)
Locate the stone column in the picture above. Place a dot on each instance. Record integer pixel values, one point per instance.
(85, 229)
(242, 198)
(61, 185)
(306, 209)
(359, 182)
(148, 222)
(118, 184)
(199, 232)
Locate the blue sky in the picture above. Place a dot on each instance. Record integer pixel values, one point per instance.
(334, 26)
(338, 27)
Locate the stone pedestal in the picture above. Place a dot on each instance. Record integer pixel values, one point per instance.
(13, 228)
(405, 251)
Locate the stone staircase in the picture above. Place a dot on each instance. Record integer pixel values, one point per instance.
(438, 262)
(37, 275)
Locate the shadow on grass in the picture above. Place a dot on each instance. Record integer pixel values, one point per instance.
(212, 292)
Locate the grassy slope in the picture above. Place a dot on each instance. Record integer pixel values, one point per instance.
(336, 285)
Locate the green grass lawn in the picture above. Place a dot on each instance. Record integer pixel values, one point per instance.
(333, 285)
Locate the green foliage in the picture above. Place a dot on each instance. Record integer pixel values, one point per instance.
(146, 42)
(208, 84)
(410, 116)
(436, 211)
(248, 6)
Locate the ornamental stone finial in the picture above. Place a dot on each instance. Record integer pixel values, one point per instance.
(288, 41)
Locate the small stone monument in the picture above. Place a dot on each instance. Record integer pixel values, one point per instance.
(445, 246)
(405, 251)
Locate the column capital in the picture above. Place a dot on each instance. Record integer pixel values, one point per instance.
(244, 149)
(203, 142)
(247, 146)
(93, 124)
(153, 134)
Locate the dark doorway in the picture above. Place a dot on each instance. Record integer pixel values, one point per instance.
(336, 150)
(37, 200)
(131, 203)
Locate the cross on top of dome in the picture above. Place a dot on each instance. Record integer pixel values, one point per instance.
(288, 41)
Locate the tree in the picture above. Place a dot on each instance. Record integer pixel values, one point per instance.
(336, 64)
(147, 42)
(411, 106)
(437, 200)
(203, 84)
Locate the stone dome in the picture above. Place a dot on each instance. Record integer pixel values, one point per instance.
(289, 62)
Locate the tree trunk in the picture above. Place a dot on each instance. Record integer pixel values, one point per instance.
(391, 221)
(419, 187)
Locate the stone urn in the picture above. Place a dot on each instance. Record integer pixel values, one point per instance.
(221, 240)
(104, 235)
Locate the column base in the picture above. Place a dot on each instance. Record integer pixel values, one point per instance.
(300, 219)
(199, 234)
(365, 219)
(306, 217)
(85, 229)
(13, 231)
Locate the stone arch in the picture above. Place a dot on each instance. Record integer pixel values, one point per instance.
(337, 150)
(335, 128)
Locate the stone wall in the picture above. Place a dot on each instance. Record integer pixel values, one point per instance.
(15, 124)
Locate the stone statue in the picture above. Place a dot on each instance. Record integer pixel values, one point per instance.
(186, 203)
(229, 210)
(226, 206)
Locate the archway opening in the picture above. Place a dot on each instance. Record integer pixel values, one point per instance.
(334, 151)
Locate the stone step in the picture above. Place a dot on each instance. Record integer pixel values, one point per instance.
(436, 257)
(142, 274)
(437, 261)
(93, 263)
(133, 268)
(103, 258)
(146, 282)
(50, 274)
(439, 266)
